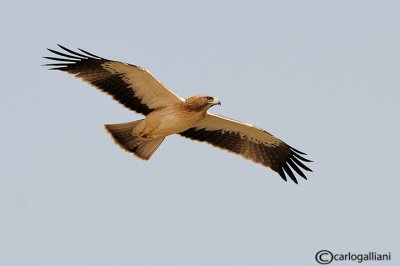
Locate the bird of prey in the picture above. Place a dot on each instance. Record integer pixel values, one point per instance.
(166, 114)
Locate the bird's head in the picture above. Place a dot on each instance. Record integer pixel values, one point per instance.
(201, 102)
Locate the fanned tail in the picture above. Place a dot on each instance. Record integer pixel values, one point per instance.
(123, 136)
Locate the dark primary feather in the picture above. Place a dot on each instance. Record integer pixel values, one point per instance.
(88, 67)
(282, 159)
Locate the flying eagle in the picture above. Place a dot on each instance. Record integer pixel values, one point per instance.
(166, 114)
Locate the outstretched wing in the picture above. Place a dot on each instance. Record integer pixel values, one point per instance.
(250, 142)
(132, 86)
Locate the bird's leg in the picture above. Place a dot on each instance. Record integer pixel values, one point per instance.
(143, 135)
(146, 135)
(145, 129)
(142, 131)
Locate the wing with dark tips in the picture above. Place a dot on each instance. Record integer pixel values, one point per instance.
(132, 86)
(251, 143)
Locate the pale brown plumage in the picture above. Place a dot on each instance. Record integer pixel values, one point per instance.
(167, 113)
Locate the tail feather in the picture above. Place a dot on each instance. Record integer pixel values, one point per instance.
(141, 147)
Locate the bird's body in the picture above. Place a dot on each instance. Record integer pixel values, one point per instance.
(171, 119)
(167, 114)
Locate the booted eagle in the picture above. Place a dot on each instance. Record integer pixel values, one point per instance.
(166, 114)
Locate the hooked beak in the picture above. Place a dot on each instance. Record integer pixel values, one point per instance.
(216, 102)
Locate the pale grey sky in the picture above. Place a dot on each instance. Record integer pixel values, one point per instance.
(321, 75)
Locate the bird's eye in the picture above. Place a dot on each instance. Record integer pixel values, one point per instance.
(209, 99)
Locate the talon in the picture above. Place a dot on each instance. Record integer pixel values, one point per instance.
(146, 136)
